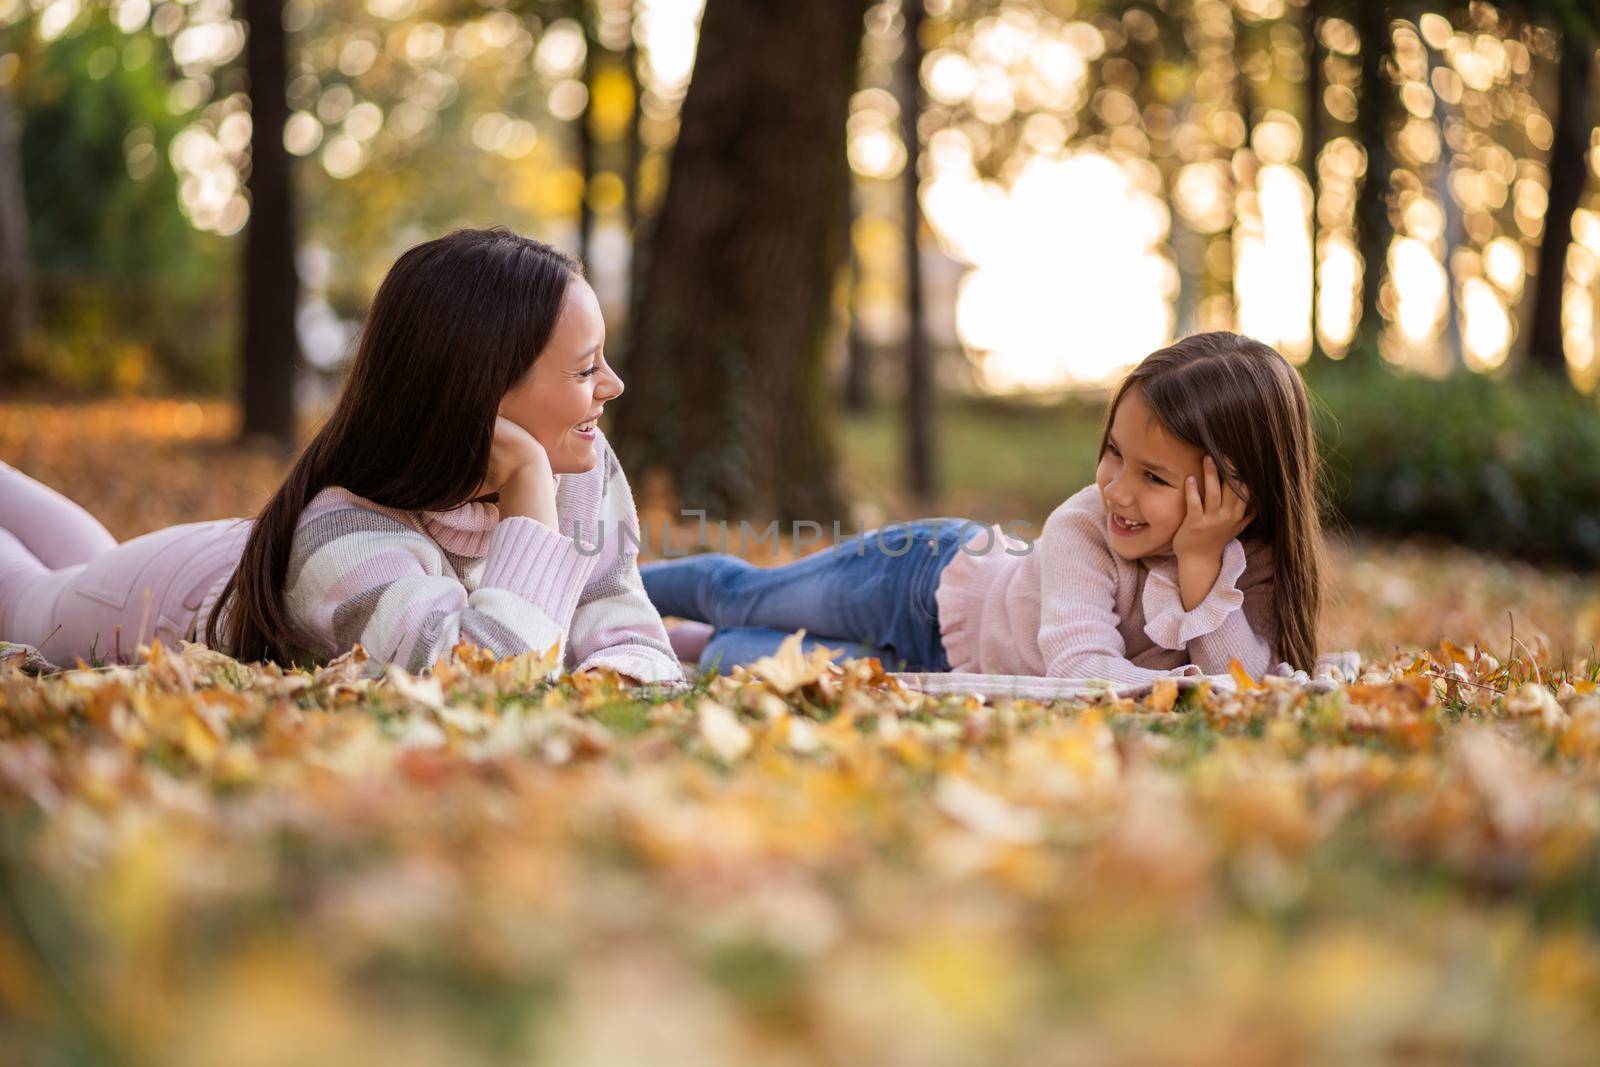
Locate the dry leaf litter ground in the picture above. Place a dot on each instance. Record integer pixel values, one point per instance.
(208, 862)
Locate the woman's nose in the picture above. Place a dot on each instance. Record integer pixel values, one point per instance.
(611, 385)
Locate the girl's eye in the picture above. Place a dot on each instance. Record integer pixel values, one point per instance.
(1154, 479)
(590, 373)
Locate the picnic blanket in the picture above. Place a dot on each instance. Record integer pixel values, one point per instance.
(1333, 670)
(1028, 687)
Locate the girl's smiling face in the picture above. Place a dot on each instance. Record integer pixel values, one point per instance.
(1141, 479)
(561, 397)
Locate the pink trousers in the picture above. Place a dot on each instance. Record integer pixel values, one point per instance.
(68, 589)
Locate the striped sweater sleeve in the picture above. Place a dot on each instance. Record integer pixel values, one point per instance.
(367, 575)
(615, 624)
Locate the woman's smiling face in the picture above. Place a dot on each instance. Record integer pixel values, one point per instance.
(1141, 478)
(561, 396)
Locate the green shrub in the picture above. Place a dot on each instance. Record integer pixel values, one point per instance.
(1506, 467)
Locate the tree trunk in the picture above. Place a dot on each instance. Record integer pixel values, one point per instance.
(634, 146)
(584, 130)
(1568, 171)
(921, 463)
(1455, 225)
(633, 159)
(15, 292)
(726, 385)
(1373, 227)
(1214, 38)
(1311, 148)
(858, 355)
(271, 279)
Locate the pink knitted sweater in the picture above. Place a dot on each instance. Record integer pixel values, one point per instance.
(1072, 608)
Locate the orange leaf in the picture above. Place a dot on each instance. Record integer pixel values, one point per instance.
(1241, 677)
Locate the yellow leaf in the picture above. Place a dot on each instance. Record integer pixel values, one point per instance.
(207, 664)
(1164, 695)
(789, 668)
(722, 731)
(424, 691)
(985, 814)
(200, 738)
(1533, 699)
(1241, 677)
(346, 674)
(169, 671)
(475, 659)
(530, 668)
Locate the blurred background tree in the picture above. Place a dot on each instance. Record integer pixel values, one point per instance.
(732, 321)
(16, 289)
(1038, 193)
(270, 349)
(1572, 126)
(125, 292)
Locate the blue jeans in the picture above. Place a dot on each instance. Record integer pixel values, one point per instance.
(869, 596)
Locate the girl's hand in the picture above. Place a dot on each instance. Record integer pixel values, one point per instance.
(1213, 520)
(1209, 524)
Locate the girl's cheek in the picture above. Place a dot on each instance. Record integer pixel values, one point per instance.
(1171, 512)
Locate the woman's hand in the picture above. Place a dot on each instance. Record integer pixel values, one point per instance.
(597, 675)
(1212, 520)
(511, 450)
(519, 470)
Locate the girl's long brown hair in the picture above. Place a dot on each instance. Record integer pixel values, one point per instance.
(457, 321)
(1243, 404)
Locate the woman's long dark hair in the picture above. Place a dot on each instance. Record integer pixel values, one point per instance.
(456, 322)
(1242, 403)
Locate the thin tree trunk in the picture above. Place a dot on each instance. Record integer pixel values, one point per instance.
(1186, 247)
(1215, 40)
(1373, 227)
(727, 389)
(585, 130)
(634, 147)
(16, 298)
(921, 477)
(1568, 172)
(1189, 255)
(1455, 226)
(1311, 148)
(858, 356)
(632, 210)
(271, 279)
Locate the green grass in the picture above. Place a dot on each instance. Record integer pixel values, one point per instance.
(996, 460)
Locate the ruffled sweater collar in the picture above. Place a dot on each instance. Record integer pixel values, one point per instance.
(462, 531)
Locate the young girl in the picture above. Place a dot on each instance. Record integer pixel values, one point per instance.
(1198, 544)
(460, 490)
